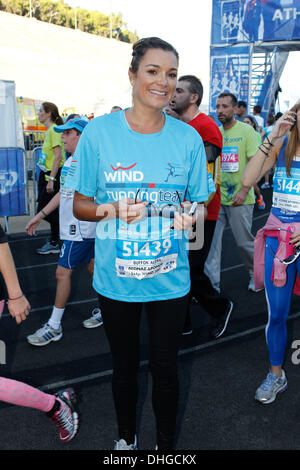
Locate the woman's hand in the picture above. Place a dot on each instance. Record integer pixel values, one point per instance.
(33, 224)
(50, 187)
(184, 221)
(295, 239)
(19, 308)
(283, 125)
(131, 211)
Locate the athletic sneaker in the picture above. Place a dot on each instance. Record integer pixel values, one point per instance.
(66, 418)
(222, 322)
(261, 203)
(45, 335)
(95, 320)
(265, 186)
(269, 388)
(48, 248)
(122, 445)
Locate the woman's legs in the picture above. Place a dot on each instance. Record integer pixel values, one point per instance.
(21, 394)
(121, 322)
(166, 320)
(278, 300)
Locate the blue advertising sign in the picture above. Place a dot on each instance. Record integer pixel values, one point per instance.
(238, 21)
(12, 182)
(229, 72)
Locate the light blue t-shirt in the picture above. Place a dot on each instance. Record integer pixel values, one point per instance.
(144, 261)
(286, 189)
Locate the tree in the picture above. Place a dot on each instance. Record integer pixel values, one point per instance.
(60, 13)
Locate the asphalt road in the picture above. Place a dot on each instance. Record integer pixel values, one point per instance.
(218, 378)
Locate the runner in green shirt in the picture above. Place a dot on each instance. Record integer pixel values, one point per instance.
(237, 200)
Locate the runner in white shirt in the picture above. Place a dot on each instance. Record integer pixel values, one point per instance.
(78, 243)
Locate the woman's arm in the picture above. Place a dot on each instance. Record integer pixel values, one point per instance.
(55, 167)
(18, 305)
(266, 155)
(36, 220)
(85, 208)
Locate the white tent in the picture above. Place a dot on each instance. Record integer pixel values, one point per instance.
(11, 132)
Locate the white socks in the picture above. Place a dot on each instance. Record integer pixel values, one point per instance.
(56, 316)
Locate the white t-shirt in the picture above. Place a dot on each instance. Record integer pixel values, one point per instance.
(70, 227)
(259, 120)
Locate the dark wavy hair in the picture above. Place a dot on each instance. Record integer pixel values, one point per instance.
(140, 48)
(54, 114)
(253, 120)
(293, 141)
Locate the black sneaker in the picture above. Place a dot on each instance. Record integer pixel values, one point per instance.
(222, 322)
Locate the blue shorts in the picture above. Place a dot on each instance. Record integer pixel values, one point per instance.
(72, 253)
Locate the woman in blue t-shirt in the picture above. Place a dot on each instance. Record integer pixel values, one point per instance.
(282, 239)
(132, 172)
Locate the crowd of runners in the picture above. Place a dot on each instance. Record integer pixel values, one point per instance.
(141, 196)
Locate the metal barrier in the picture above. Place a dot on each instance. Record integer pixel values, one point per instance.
(14, 198)
(33, 139)
(17, 168)
(35, 155)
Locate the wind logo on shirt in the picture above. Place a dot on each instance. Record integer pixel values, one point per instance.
(122, 174)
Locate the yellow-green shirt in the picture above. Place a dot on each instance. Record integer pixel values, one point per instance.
(52, 139)
(239, 144)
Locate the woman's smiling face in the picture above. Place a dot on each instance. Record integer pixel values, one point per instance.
(155, 81)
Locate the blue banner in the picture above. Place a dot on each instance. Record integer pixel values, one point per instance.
(12, 182)
(238, 21)
(229, 72)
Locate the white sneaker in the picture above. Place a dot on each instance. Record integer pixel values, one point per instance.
(95, 320)
(44, 336)
(273, 384)
(122, 445)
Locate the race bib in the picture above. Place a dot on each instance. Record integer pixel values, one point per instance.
(65, 192)
(230, 159)
(41, 163)
(286, 191)
(141, 259)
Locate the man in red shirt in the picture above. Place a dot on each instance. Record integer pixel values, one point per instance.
(185, 103)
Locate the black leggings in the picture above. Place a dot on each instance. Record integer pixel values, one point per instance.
(165, 320)
(201, 288)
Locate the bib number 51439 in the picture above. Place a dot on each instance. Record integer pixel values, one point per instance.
(146, 249)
